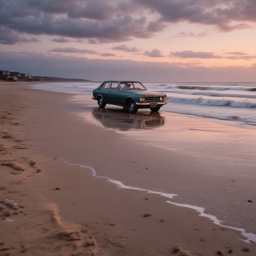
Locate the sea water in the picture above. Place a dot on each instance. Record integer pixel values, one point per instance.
(225, 101)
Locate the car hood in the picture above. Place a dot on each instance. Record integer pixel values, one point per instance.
(149, 93)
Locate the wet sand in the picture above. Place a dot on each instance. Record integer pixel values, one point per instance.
(62, 209)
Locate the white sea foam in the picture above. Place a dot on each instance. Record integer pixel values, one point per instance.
(203, 87)
(250, 237)
(244, 94)
(213, 102)
(119, 184)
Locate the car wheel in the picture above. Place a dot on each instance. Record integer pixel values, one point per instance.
(132, 107)
(101, 102)
(155, 109)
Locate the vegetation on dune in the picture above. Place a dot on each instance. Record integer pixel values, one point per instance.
(252, 90)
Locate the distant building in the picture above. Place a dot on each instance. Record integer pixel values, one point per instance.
(6, 73)
(15, 73)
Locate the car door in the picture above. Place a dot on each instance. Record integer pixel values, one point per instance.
(114, 93)
(123, 94)
(105, 91)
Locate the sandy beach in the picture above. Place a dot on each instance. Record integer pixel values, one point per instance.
(76, 180)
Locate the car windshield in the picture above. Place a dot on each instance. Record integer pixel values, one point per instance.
(132, 86)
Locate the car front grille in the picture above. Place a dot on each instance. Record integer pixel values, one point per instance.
(152, 99)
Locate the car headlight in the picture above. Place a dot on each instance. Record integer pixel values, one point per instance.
(141, 99)
(161, 98)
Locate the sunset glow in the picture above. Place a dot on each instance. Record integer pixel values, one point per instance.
(185, 34)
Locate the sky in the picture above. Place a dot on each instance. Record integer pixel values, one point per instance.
(147, 40)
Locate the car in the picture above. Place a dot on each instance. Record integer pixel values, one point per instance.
(131, 95)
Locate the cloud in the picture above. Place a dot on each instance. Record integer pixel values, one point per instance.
(72, 50)
(211, 55)
(98, 21)
(208, 12)
(154, 53)
(101, 10)
(72, 66)
(9, 36)
(183, 34)
(92, 41)
(241, 57)
(118, 21)
(191, 54)
(229, 28)
(237, 53)
(60, 40)
(108, 55)
(124, 48)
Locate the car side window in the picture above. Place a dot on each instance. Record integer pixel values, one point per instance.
(114, 86)
(106, 86)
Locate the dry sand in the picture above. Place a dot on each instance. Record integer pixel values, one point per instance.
(48, 207)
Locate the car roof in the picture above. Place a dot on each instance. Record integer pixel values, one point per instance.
(125, 81)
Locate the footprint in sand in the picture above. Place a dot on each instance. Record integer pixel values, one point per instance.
(20, 147)
(180, 251)
(13, 166)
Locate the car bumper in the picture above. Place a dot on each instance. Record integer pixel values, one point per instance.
(149, 103)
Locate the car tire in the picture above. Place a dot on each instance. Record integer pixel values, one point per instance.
(132, 107)
(155, 109)
(101, 102)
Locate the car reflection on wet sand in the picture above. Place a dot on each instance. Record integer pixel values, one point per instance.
(123, 121)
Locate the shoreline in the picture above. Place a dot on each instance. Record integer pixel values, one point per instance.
(106, 211)
(232, 122)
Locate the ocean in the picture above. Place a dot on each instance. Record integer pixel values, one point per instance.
(224, 101)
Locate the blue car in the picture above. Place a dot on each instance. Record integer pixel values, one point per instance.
(131, 95)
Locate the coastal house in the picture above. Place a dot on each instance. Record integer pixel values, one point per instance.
(6, 73)
(15, 73)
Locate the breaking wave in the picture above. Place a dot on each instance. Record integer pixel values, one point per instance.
(213, 102)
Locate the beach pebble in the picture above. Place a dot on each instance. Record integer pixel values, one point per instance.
(175, 249)
(219, 253)
(38, 170)
(250, 201)
(147, 215)
(245, 250)
(23, 250)
(32, 163)
(230, 251)
(57, 189)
